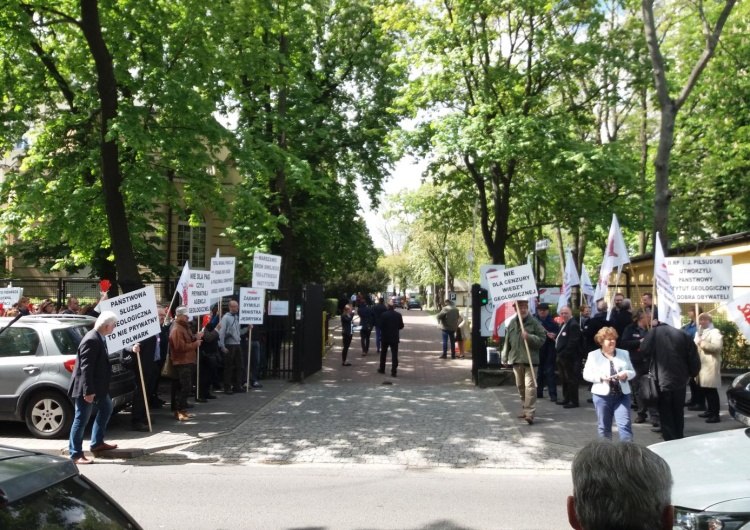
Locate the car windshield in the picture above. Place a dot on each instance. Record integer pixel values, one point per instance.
(72, 503)
(67, 339)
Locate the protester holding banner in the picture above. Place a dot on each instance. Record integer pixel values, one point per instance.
(710, 343)
(182, 349)
(517, 339)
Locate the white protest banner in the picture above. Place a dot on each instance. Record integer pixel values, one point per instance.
(251, 305)
(266, 271)
(701, 279)
(278, 308)
(587, 287)
(199, 292)
(10, 296)
(669, 308)
(222, 277)
(739, 311)
(570, 278)
(488, 310)
(511, 284)
(137, 317)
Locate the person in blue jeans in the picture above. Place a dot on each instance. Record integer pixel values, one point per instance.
(449, 318)
(89, 388)
(610, 369)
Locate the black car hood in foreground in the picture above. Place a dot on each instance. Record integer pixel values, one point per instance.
(23, 473)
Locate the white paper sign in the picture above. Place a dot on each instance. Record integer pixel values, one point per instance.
(701, 279)
(266, 271)
(137, 317)
(511, 284)
(549, 295)
(10, 296)
(222, 277)
(278, 308)
(488, 310)
(199, 293)
(251, 305)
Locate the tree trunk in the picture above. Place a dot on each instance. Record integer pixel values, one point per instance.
(662, 193)
(127, 267)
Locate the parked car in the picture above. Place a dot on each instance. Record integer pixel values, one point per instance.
(44, 491)
(710, 474)
(37, 356)
(738, 399)
(413, 303)
(397, 301)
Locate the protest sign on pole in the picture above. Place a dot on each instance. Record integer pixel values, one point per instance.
(10, 296)
(487, 322)
(222, 277)
(511, 284)
(739, 311)
(137, 317)
(701, 279)
(199, 292)
(266, 271)
(251, 305)
(669, 308)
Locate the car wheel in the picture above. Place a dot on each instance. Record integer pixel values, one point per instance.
(49, 414)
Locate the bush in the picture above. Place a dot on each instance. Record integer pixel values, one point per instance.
(736, 352)
(330, 306)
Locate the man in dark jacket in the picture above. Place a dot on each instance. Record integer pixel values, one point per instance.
(89, 387)
(378, 309)
(391, 322)
(568, 349)
(673, 359)
(621, 316)
(547, 357)
(631, 340)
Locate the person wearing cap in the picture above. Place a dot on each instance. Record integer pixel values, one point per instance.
(182, 348)
(514, 353)
(547, 353)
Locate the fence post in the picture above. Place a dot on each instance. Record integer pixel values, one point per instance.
(60, 292)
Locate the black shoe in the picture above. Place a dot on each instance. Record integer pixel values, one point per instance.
(656, 429)
(210, 396)
(553, 399)
(570, 406)
(201, 400)
(696, 407)
(443, 357)
(689, 404)
(453, 356)
(381, 371)
(563, 403)
(394, 375)
(140, 427)
(713, 419)
(705, 415)
(655, 422)
(589, 400)
(640, 419)
(155, 405)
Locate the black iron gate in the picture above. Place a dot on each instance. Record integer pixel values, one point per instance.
(293, 337)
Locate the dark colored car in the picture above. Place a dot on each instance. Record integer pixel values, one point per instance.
(397, 301)
(37, 356)
(738, 399)
(413, 303)
(44, 491)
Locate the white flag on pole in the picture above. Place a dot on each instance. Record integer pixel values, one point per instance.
(570, 278)
(615, 255)
(587, 287)
(669, 309)
(182, 284)
(739, 311)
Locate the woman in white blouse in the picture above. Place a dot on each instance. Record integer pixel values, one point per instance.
(609, 368)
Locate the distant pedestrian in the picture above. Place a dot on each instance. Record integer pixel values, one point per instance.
(230, 337)
(673, 359)
(710, 343)
(366, 323)
(514, 353)
(609, 368)
(89, 388)
(378, 309)
(347, 321)
(448, 319)
(392, 323)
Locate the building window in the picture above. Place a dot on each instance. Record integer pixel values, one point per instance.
(191, 245)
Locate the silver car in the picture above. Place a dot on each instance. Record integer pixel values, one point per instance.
(37, 355)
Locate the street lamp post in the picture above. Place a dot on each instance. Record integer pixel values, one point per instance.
(446, 273)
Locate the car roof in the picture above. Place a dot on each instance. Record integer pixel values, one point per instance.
(55, 319)
(711, 471)
(23, 473)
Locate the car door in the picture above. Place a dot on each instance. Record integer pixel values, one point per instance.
(21, 363)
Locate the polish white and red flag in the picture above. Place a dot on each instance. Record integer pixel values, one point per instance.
(587, 287)
(669, 309)
(570, 279)
(739, 310)
(615, 255)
